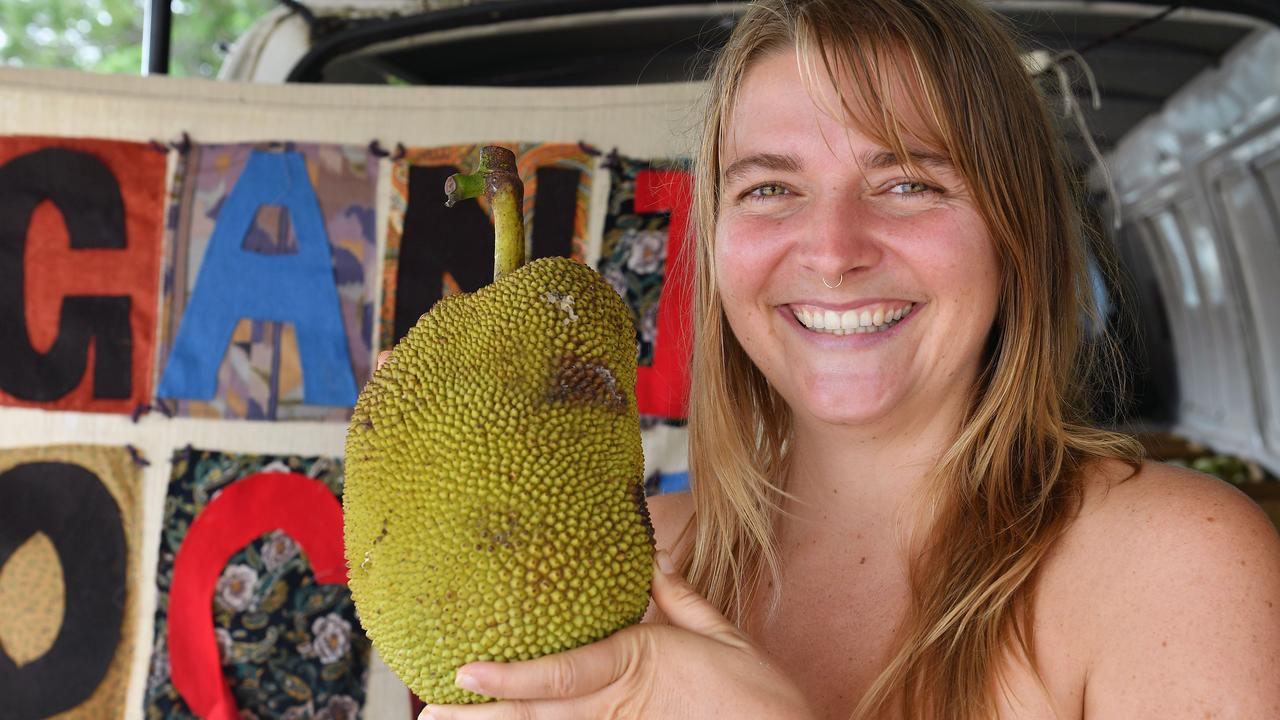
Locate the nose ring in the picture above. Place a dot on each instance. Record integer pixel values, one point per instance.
(838, 282)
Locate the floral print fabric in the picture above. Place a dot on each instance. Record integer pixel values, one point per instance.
(290, 648)
(633, 253)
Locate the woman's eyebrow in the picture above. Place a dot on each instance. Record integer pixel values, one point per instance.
(878, 159)
(761, 161)
(882, 159)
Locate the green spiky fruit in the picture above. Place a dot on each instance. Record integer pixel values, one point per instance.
(494, 499)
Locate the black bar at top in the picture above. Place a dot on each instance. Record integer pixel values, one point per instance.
(157, 28)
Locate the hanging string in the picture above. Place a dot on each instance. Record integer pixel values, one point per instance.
(1129, 29)
(1071, 105)
(1071, 108)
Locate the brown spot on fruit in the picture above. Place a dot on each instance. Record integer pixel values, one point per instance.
(582, 382)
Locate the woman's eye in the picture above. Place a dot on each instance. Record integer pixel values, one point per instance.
(911, 187)
(766, 190)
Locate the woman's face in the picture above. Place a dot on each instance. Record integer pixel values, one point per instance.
(805, 198)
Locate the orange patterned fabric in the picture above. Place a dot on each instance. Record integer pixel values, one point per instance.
(52, 272)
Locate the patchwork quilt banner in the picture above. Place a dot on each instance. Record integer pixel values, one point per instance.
(646, 254)
(79, 270)
(269, 281)
(254, 619)
(70, 521)
(434, 251)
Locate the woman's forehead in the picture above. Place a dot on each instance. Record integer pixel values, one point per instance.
(784, 93)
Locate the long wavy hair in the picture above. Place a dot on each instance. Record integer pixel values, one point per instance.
(1011, 481)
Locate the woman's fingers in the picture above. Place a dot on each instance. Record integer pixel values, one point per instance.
(382, 357)
(684, 608)
(568, 674)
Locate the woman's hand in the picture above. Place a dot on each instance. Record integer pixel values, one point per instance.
(698, 667)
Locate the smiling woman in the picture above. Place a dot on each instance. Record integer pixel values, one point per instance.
(898, 508)
(895, 488)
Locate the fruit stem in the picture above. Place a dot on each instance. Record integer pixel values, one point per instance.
(496, 178)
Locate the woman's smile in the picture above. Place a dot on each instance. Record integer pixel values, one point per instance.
(859, 318)
(825, 327)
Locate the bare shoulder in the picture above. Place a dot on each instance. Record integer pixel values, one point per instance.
(671, 514)
(1175, 577)
(1162, 501)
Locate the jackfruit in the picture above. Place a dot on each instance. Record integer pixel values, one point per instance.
(494, 504)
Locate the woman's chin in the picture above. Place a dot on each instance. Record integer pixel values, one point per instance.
(839, 409)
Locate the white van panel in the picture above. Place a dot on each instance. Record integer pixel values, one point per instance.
(1250, 224)
(1202, 179)
(1221, 365)
(1161, 232)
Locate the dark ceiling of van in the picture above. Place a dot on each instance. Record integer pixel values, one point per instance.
(1140, 53)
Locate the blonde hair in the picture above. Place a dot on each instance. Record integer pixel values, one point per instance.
(1008, 485)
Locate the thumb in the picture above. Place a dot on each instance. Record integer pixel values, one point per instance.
(685, 608)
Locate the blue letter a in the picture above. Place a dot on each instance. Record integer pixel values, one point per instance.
(235, 283)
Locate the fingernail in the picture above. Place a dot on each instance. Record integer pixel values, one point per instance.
(664, 562)
(467, 681)
(426, 714)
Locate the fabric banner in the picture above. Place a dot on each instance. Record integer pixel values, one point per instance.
(79, 270)
(260, 370)
(269, 281)
(253, 618)
(434, 251)
(643, 256)
(70, 520)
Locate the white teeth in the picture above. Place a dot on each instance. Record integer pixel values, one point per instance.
(850, 321)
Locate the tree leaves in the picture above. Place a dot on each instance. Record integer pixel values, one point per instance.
(107, 35)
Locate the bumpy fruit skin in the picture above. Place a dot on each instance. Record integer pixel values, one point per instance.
(494, 480)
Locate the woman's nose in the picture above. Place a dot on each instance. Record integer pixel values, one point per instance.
(842, 239)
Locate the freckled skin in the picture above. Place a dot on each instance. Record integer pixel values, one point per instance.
(494, 482)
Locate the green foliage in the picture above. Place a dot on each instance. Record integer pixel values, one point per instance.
(106, 35)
